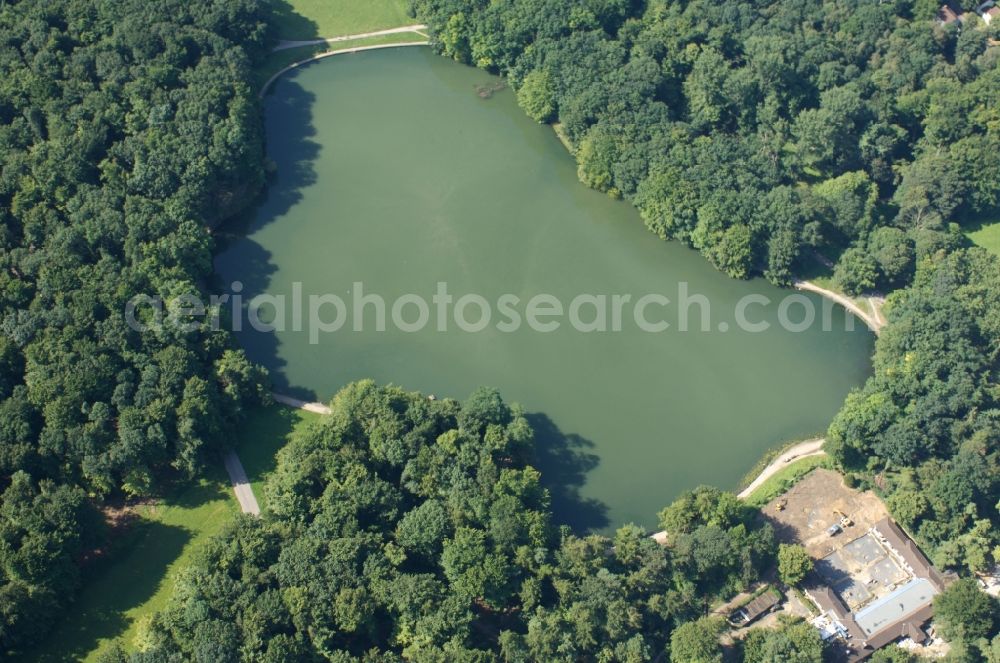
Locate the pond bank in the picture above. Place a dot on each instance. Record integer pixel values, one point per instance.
(319, 56)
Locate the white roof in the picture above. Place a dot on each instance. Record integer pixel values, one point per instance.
(898, 605)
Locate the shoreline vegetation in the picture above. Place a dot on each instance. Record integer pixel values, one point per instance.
(792, 454)
(771, 462)
(786, 466)
(768, 458)
(264, 434)
(777, 469)
(475, 559)
(762, 158)
(774, 462)
(93, 413)
(787, 476)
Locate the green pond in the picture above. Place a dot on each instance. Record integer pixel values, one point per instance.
(393, 171)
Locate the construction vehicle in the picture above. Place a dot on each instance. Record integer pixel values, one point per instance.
(845, 520)
(780, 506)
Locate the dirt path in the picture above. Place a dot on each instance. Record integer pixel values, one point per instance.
(801, 450)
(875, 303)
(318, 408)
(285, 44)
(873, 320)
(241, 484)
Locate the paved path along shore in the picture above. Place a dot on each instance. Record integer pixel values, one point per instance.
(801, 450)
(285, 44)
(241, 484)
(356, 49)
(238, 476)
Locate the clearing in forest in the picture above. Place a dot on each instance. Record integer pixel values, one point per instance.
(314, 19)
(136, 579)
(987, 236)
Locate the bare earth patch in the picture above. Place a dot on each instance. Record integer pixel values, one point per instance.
(812, 505)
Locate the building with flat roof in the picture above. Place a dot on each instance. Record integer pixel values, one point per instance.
(896, 606)
(903, 545)
(875, 590)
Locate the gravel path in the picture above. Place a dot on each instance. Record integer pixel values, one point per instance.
(801, 450)
(355, 49)
(238, 476)
(241, 484)
(318, 408)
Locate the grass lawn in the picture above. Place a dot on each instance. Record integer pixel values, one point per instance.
(136, 579)
(312, 19)
(785, 478)
(277, 61)
(988, 237)
(264, 433)
(769, 456)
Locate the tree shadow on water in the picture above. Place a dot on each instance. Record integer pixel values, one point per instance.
(564, 459)
(292, 150)
(289, 111)
(291, 147)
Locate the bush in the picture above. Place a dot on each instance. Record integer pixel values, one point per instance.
(965, 612)
(856, 271)
(794, 563)
(537, 96)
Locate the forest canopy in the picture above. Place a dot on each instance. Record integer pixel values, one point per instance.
(925, 428)
(127, 129)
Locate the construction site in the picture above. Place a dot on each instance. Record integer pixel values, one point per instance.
(871, 584)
